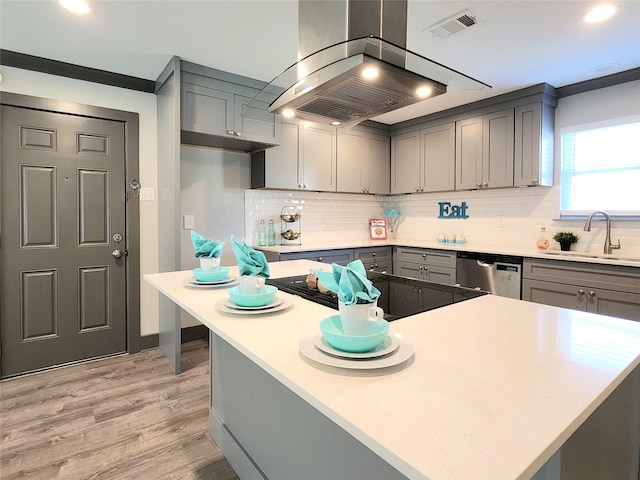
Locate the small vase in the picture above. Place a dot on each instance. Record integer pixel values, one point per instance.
(565, 246)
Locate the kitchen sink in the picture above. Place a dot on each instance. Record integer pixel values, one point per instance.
(604, 256)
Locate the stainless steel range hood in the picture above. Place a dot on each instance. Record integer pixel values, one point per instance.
(340, 42)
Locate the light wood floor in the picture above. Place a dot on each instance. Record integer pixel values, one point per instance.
(125, 417)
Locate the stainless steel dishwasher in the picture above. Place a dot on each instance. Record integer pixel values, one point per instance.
(498, 274)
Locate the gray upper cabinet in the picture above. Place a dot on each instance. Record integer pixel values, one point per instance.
(318, 163)
(534, 135)
(363, 162)
(485, 151)
(424, 161)
(304, 160)
(438, 158)
(405, 163)
(215, 111)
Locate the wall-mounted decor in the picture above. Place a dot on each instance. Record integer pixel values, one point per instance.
(453, 211)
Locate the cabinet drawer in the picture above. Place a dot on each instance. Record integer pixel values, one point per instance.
(426, 256)
(380, 254)
(611, 277)
(341, 257)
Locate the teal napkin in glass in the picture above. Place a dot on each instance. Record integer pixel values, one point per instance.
(350, 283)
(204, 247)
(250, 261)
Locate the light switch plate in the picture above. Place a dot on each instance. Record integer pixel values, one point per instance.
(188, 222)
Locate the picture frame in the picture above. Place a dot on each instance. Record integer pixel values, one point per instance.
(378, 228)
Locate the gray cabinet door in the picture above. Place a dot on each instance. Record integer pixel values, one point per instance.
(378, 259)
(439, 274)
(616, 304)
(281, 167)
(469, 153)
(534, 140)
(497, 149)
(319, 157)
(206, 110)
(378, 166)
(484, 151)
(405, 163)
(438, 147)
(351, 161)
(554, 294)
(408, 269)
(253, 121)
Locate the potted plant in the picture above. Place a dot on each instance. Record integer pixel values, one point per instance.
(565, 239)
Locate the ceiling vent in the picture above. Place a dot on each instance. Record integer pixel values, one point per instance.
(455, 24)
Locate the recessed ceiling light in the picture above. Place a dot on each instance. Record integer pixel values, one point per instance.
(288, 113)
(370, 73)
(600, 13)
(423, 92)
(335, 123)
(76, 6)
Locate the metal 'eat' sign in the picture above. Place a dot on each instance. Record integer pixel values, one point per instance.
(453, 211)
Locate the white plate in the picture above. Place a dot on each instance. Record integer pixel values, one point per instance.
(222, 307)
(402, 354)
(227, 282)
(272, 304)
(389, 344)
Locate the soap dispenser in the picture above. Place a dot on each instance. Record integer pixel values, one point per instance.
(542, 243)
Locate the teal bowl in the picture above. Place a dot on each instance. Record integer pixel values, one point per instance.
(215, 276)
(331, 328)
(253, 299)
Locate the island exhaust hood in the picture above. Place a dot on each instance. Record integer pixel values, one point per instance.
(354, 65)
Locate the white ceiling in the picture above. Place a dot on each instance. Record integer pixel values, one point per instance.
(517, 44)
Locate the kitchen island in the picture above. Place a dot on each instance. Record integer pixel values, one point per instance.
(497, 389)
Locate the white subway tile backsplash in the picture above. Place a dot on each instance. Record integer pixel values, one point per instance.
(525, 211)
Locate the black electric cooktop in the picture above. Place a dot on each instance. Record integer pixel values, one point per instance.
(400, 296)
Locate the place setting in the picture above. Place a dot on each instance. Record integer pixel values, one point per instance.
(252, 296)
(210, 274)
(358, 337)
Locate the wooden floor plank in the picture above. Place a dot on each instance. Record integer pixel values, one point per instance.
(116, 418)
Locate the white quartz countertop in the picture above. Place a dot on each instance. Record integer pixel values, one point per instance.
(495, 388)
(572, 256)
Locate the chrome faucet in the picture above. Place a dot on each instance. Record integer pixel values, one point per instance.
(607, 240)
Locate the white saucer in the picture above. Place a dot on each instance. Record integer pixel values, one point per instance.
(389, 345)
(222, 307)
(192, 282)
(402, 354)
(272, 304)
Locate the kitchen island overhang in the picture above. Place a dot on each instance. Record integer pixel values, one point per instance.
(495, 389)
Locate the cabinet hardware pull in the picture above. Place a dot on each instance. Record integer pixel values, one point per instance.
(231, 132)
(485, 184)
(592, 293)
(580, 292)
(319, 259)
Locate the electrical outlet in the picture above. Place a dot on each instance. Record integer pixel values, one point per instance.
(147, 194)
(188, 222)
(502, 221)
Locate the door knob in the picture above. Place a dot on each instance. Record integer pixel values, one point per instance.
(117, 253)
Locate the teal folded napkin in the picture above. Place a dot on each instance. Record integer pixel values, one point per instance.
(350, 283)
(250, 261)
(204, 247)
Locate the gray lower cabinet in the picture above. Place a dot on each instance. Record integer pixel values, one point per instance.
(437, 266)
(603, 289)
(377, 259)
(340, 256)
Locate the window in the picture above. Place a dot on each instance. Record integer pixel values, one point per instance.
(601, 170)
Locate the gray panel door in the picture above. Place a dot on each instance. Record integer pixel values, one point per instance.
(62, 203)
